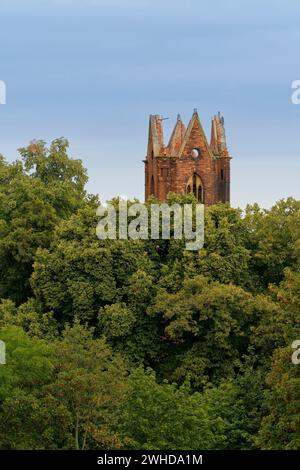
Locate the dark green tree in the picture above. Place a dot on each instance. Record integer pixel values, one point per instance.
(34, 196)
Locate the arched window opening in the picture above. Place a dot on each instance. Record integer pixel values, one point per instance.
(222, 175)
(195, 186)
(152, 185)
(200, 193)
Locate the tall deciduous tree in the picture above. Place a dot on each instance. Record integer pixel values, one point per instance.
(34, 197)
(90, 384)
(163, 416)
(280, 428)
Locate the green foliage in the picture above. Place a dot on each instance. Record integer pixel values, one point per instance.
(29, 318)
(215, 320)
(162, 416)
(280, 427)
(225, 256)
(196, 329)
(90, 385)
(53, 166)
(275, 235)
(80, 273)
(64, 394)
(280, 325)
(116, 320)
(34, 197)
(28, 361)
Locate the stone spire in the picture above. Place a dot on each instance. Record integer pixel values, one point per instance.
(156, 136)
(218, 138)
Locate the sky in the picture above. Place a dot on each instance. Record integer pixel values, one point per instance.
(93, 70)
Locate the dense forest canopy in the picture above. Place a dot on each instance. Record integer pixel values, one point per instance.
(141, 344)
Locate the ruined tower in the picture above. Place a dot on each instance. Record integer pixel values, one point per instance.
(188, 164)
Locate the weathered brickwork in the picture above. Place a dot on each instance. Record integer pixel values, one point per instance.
(188, 163)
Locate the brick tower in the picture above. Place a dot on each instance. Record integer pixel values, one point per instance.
(188, 163)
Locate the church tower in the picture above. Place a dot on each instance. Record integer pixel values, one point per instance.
(188, 164)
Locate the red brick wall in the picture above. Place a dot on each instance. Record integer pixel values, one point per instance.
(171, 173)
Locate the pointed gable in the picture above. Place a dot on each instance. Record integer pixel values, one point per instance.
(176, 138)
(194, 138)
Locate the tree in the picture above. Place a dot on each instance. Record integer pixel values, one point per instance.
(60, 395)
(280, 427)
(29, 367)
(274, 236)
(279, 327)
(79, 274)
(210, 324)
(34, 197)
(225, 256)
(90, 384)
(53, 167)
(29, 317)
(163, 416)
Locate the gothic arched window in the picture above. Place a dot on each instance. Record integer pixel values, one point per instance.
(195, 186)
(152, 185)
(200, 193)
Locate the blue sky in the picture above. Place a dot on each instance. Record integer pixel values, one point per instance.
(93, 70)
